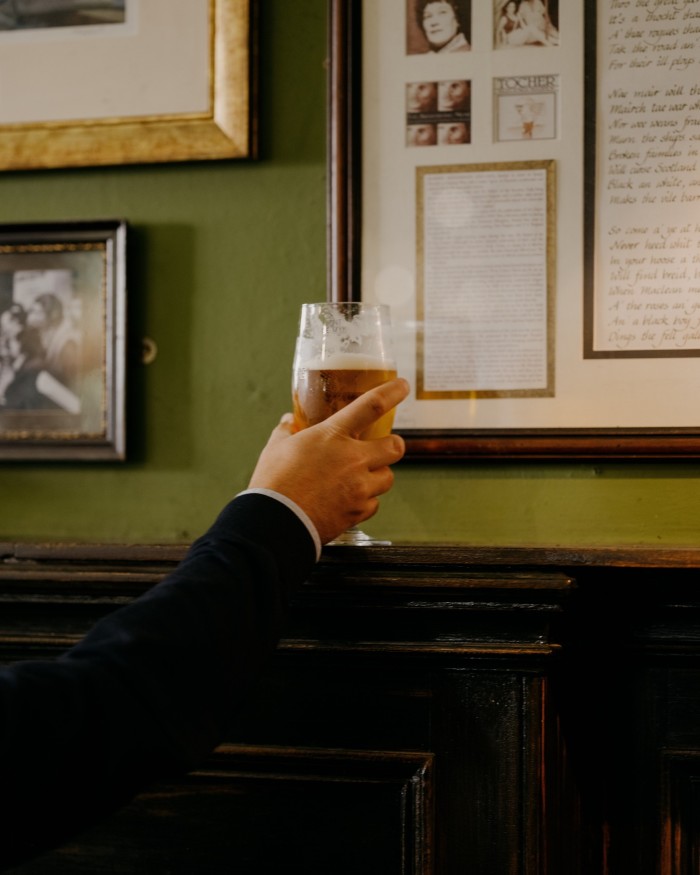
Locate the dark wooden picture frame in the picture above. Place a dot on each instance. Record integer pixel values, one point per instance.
(63, 341)
(344, 279)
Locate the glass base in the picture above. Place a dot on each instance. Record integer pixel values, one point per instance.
(355, 537)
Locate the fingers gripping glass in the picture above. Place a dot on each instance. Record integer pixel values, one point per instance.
(343, 349)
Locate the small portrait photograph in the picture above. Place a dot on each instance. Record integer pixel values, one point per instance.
(438, 26)
(41, 336)
(421, 135)
(438, 113)
(526, 107)
(36, 14)
(421, 97)
(526, 23)
(453, 133)
(454, 95)
(421, 113)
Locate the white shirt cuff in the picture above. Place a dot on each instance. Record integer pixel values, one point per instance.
(294, 507)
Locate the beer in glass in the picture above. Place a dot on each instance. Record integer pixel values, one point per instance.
(343, 349)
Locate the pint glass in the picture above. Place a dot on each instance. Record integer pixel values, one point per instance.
(342, 350)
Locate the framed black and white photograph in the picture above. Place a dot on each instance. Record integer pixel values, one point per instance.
(63, 341)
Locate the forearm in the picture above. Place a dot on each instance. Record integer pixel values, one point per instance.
(149, 689)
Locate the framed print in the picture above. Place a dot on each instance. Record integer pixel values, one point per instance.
(126, 81)
(63, 341)
(542, 271)
(484, 300)
(643, 280)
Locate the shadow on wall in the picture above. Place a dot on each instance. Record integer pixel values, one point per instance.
(160, 265)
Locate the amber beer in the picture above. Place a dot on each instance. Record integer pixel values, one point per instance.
(321, 389)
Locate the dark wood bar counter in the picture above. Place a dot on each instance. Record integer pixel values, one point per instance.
(431, 709)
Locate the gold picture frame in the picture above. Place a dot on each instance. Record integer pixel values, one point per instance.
(533, 185)
(225, 129)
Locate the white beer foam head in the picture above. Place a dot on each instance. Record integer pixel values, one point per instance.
(345, 361)
(329, 329)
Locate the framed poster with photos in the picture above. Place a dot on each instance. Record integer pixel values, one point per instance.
(63, 341)
(513, 232)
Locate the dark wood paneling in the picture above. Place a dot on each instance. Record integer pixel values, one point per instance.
(433, 710)
(259, 810)
(680, 824)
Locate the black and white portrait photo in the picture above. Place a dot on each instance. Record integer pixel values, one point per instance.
(526, 23)
(438, 26)
(62, 339)
(40, 341)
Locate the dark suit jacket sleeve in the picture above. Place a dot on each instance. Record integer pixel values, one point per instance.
(148, 691)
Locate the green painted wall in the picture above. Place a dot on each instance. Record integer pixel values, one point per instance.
(222, 256)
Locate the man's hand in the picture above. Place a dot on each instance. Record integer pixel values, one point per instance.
(335, 477)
